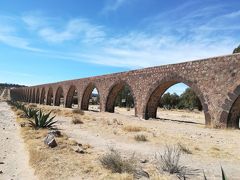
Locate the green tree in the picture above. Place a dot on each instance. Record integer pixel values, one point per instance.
(189, 100)
(169, 101)
(236, 50)
(125, 94)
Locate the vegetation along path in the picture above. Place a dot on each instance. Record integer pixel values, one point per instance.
(13, 156)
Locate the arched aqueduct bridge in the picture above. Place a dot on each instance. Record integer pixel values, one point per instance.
(216, 82)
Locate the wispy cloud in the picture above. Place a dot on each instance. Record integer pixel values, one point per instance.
(113, 5)
(75, 29)
(185, 34)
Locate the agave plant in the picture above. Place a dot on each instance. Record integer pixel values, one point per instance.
(42, 120)
(30, 112)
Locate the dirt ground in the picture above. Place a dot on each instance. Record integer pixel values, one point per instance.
(209, 148)
(13, 155)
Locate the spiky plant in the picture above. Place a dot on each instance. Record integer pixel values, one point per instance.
(42, 120)
(30, 112)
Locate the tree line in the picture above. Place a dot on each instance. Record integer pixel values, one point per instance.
(187, 100)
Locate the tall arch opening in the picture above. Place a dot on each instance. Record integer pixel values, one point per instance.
(59, 97)
(175, 101)
(91, 98)
(42, 98)
(233, 120)
(50, 97)
(37, 96)
(72, 98)
(120, 99)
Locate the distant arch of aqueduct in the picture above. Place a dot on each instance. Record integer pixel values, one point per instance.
(216, 82)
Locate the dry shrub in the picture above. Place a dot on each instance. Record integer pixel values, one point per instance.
(78, 111)
(32, 105)
(197, 148)
(114, 121)
(56, 111)
(20, 114)
(140, 137)
(117, 164)
(169, 162)
(86, 117)
(184, 148)
(134, 128)
(76, 120)
(215, 149)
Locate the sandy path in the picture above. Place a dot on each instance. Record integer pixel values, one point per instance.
(13, 156)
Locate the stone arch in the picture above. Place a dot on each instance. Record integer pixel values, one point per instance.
(30, 95)
(50, 96)
(113, 93)
(70, 96)
(230, 115)
(87, 94)
(58, 96)
(37, 95)
(158, 89)
(33, 96)
(42, 97)
(25, 95)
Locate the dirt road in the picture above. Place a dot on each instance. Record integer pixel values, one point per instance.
(13, 155)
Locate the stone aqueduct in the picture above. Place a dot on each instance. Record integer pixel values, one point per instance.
(216, 82)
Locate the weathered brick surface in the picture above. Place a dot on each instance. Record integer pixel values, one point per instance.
(216, 81)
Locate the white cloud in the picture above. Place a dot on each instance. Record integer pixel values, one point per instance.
(75, 29)
(158, 42)
(113, 5)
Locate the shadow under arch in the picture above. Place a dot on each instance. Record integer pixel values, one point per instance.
(42, 97)
(72, 91)
(230, 116)
(113, 93)
(37, 96)
(87, 95)
(158, 88)
(59, 94)
(50, 96)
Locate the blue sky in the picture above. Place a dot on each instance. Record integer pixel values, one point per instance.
(47, 41)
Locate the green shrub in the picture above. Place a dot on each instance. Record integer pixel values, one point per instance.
(29, 112)
(42, 120)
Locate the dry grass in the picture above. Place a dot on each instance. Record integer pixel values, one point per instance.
(76, 120)
(169, 161)
(78, 111)
(184, 148)
(32, 105)
(49, 163)
(140, 137)
(117, 164)
(131, 128)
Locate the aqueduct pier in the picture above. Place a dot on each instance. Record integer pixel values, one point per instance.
(216, 82)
